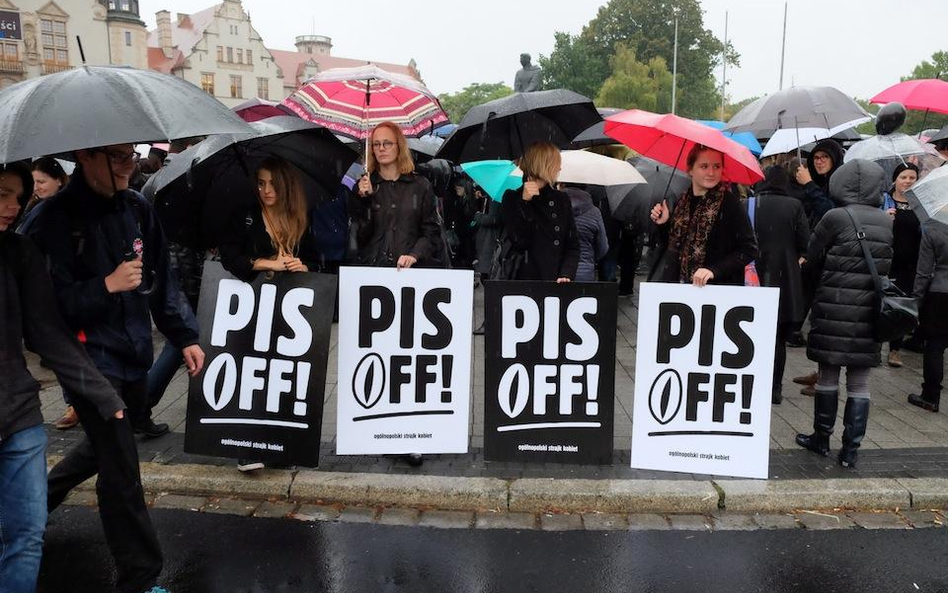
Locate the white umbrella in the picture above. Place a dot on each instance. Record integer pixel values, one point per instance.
(790, 139)
(590, 168)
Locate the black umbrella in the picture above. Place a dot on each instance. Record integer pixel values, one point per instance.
(504, 128)
(594, 135)
(95, 106)
(632, 203)
(941, 135)
(200, 189)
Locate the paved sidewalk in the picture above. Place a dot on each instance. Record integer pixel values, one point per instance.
(901, 441)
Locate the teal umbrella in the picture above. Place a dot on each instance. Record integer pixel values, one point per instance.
(745, 138)
(494, 177)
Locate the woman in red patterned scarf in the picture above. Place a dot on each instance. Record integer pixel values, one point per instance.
(710, 238)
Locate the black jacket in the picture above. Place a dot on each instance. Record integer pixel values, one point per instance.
(544, 229)
(247, 239)
(844, 304)
(817, 200)
(783, 232)
(28, 311)
(593, 243)
(731, 246)
(400, 218)
(85, 236)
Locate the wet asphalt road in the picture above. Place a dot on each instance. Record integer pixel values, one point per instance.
(227, 554)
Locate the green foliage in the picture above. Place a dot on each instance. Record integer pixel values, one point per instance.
(634, 84)
(573, 65)
(917, 121)
(456, 105)
(869, 127)
(937, 68)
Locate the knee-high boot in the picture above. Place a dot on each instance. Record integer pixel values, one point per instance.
(855, 418)
(825, 404)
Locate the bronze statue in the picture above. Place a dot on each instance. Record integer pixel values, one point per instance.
(528, 77)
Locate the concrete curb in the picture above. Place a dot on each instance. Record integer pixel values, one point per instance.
(543, 495)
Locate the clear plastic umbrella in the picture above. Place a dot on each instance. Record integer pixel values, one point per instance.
(929, 197)
(890, 150)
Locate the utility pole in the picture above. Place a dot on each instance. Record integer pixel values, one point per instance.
(675, 65)
(783, 47)
(724, 74)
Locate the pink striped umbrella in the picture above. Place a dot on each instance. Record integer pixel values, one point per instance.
(352, 101)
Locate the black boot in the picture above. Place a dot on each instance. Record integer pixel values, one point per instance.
(855, 417)
(825, 404)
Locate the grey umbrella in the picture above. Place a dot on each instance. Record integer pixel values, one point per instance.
(504, 128)
(632, 203)
(798, 107)
(95, 106)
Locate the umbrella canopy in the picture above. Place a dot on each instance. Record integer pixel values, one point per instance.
(890, 150)
(594, 134)
(494, 176)
(633, 203)
(257, 109)
(929, 94)
(929, 197)
(200, 189)
(590, 168)
(352, 101)
(745, 138)
(445, 130)
(790, 139)
(668, 139)
(798, 107)
(426, 146)
(95, 106)
(504, 128)
(942, 134)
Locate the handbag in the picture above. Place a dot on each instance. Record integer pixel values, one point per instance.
(896, 314)
(507, 260)
(751, 277)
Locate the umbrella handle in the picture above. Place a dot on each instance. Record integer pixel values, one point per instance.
(675, 166)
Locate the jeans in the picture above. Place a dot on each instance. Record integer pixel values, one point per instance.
(109, 450)
(22, 508)
(159, 376)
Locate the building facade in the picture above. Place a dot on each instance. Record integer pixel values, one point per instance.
(44, 36)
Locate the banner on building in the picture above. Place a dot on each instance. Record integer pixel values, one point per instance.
(703, 379)
(10, 25)
(549, 358)
(404, 381)
(260, 394)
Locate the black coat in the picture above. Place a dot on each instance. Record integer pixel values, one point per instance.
(782, 231)
(593, 243)
(544, 229)
(731, 246)
(490, 226)
(844, 304)
(399, 218)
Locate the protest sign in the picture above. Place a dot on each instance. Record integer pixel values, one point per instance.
(404, 361)
(703, 379)
(549, 359)
(260, 393)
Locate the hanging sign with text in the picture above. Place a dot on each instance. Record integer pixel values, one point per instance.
(260, 393)
(404, 361)
(549, 361)
(703, 379)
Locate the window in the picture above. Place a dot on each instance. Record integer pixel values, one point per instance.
(230, 54)
(236, 87)
(48, 54)
(263, 88)
(128, 38)
(220, 53)
(240, 56)
(53, 36)
(249, 57)
(207, 83)
(11, 53)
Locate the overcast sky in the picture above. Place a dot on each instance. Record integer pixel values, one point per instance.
(858, 46)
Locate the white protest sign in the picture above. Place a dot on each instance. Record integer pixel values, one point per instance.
(703, 379)
(404, 361)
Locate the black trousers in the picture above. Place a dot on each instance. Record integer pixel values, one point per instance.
(630, 255)
(933, 367)
(784, 329)
(109, 450)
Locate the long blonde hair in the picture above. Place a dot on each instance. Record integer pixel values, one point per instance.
(405, 164)
(541, 161)
(287, 218)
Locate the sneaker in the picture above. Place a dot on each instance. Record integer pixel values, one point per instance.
(918, 400)
(895, 360)
(69, 419)
(150, 430)
(247, 465)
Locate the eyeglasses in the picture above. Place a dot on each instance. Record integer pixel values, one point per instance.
(119, 158)
(384, 144)
(821, 157)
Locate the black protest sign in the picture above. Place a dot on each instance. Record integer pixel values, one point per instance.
(549, 358)
(260, 394)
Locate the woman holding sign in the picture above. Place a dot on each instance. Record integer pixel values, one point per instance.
(272, 236)
(709, 238)
(538, 219)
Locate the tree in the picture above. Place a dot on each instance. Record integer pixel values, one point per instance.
(916, 121)
(634, 84)
(456, 105)
(573, 65)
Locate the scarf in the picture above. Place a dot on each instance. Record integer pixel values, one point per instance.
(691, 226)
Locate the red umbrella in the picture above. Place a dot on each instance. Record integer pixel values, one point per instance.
(352, 101)
(668, 139)
(258, 109)
(928, 94)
